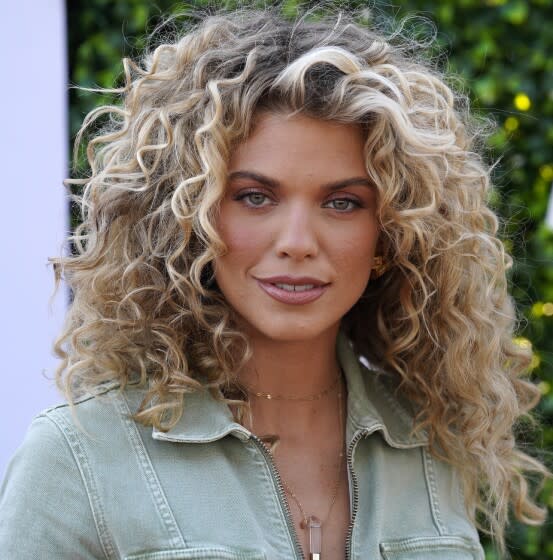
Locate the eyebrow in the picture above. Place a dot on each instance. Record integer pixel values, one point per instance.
(274, 184)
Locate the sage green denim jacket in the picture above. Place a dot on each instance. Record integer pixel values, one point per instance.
(111, 488)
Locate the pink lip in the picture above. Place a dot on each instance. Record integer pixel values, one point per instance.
(295, 298)
(295, 280)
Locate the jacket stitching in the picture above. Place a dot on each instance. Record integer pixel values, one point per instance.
(418, 544)
(272, 492)
(389, 439)
(79, 455)
(160, 499)
(430, 477)
(102, 389)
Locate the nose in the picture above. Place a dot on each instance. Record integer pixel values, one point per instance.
(296, 236)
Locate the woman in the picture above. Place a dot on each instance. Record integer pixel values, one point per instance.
(290, 334)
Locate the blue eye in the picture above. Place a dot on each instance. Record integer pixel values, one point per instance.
(343, 204)
(253, 199)
(257, 199)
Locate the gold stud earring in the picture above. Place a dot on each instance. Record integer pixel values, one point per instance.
(379, 267)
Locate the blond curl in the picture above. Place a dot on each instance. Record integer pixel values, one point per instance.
(146, 306)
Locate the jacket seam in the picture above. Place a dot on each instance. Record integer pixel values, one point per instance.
(272, 492)
(430, 476)
(389, 439)
(154, 485)
(80, 458)
(100, 390)
(414, 544)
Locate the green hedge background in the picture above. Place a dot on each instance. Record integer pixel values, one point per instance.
(502, 51)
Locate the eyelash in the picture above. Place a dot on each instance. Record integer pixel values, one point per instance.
(244, 195)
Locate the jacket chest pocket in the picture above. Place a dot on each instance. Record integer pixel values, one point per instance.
(197, 553)
(432, 548)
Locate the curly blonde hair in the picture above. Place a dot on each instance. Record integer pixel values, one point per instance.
(440, 319)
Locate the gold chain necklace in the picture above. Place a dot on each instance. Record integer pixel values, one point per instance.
(272, 396)
(311, 522)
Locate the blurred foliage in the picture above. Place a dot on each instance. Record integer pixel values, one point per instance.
(502, 54)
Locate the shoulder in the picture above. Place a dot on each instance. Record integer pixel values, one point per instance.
(58, 439)
(45, 487)
(93, 413)
(49, 444)
(43, 449)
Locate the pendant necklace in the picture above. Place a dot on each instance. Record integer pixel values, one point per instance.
(311, 523)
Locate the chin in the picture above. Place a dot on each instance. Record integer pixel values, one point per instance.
(289, 331)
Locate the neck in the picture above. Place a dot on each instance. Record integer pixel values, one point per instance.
(291, 368)
(303, 367)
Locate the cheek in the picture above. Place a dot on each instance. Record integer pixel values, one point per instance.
(355, 252)
(245, 242)
(240, 239)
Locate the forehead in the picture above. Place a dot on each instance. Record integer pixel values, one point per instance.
(280, 142)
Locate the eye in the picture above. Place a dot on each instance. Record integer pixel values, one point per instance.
(253, 199)
(343, 204)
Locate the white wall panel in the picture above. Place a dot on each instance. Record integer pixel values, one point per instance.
(33, 121)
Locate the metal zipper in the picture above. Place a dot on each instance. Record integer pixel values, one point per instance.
(351, 450)
(281, 495)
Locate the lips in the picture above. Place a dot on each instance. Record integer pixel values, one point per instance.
(293, 290)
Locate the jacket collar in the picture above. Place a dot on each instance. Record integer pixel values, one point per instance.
(371, 407)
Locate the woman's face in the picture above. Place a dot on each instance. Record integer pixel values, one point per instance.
(299, 221)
